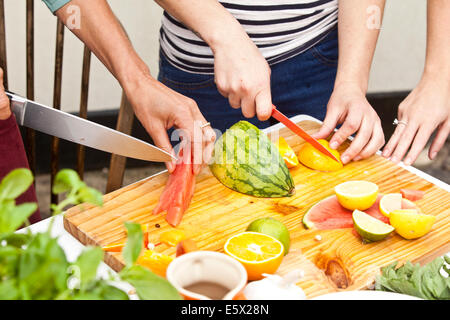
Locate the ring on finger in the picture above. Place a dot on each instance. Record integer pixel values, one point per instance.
(205, 125)
(397, 122)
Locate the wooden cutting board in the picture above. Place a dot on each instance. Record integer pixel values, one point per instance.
(340, 261)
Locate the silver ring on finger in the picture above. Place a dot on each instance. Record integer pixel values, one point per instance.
(205, 125)
(398, 122)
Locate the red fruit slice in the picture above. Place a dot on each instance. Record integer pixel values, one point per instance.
(411, 194)
(177, 194)
(329, 214)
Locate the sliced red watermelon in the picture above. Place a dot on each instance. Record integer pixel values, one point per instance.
(412, 194)
(177, 194)
(329, 214)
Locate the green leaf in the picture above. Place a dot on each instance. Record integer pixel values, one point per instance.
(12, 216)
(148, 285)
(15, 183)
(87, 264)
(133, 246)
(42, 270)
(90, 195)
(425, 282)
(66, 180)
(8, 290)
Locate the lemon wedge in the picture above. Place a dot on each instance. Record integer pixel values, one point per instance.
(411, 224)
(390, 202)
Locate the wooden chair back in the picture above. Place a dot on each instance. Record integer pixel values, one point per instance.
(125, 117)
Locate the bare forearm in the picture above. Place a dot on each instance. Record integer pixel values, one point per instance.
(207, 18)
(100, 30)
(358, 35)
(438, 43)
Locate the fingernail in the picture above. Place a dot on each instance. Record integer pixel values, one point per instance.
(333, 145)
(357, 158)
(408, 161)
(433, 155)
(394, 159)
(345, 159)
(385, 153)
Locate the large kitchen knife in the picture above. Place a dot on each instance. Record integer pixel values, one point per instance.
(302, 133)
(72, 128)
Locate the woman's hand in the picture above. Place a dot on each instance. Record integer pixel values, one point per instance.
(159, 108)
(348, 106)
(5, 111)
(426, 109)
(243, 75)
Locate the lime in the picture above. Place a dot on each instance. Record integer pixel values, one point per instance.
(356, 195)
(274, 228)
(390, 202)
(370, 228)
(411, 224)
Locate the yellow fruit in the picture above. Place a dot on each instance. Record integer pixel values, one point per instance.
(172, 237)
(356, 195)
(390, 202)
(411, 224)
(155, 261)
(258, 252)
(289, 156)
(314, 159)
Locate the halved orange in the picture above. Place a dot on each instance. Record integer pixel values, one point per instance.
(289, 156)
(259, 253)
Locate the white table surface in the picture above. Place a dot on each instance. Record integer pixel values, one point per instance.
(73, 247)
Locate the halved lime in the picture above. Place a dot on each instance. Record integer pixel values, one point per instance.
(370, 228)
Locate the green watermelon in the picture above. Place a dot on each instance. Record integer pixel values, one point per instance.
(246, 161)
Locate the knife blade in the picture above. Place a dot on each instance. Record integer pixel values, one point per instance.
(66, 126)
(302, 133)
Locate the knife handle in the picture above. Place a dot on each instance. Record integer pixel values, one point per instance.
(18, 105)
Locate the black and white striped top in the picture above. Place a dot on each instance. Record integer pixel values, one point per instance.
(280, 28)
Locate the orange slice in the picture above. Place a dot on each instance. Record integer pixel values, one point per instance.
(172, 237)
(258, 252)
(289, 156)
(155, 261)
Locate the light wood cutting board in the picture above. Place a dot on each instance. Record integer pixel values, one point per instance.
(340, 261)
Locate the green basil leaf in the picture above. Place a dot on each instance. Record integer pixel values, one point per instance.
(90, 195)
(15, 183)
(12, 216)
(66, 180)
(87, 263)
(8, 290)
(133, 246)
(148, 285)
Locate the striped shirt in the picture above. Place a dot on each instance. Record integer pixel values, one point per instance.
(280, 29)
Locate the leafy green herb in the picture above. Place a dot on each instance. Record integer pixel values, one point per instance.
(133, 246)
(431, 281)
(148, 285)
(34, 266)
(15, 183)
(67, 181)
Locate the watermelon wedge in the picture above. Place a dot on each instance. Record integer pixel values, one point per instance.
(412, 194)
(177, 194)
(328, 214)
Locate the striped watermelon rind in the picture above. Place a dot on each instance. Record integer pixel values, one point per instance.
(246, 161)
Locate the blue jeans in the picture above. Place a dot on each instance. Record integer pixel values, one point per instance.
(300, 85)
